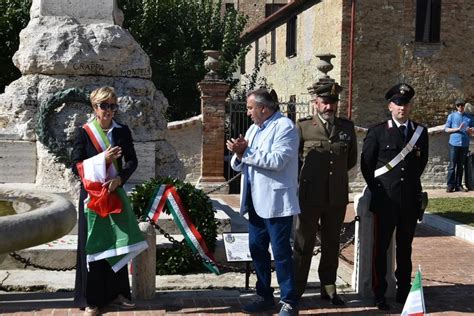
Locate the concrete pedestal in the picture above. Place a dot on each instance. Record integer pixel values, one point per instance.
(364, 238)
(144, 266)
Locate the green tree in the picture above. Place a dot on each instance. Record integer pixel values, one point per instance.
(14, 16)
(174, 33)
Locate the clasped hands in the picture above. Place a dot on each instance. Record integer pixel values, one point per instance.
(237, 145)
(110, 154)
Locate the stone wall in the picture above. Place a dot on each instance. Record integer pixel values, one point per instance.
(186, 137)
(386, 53)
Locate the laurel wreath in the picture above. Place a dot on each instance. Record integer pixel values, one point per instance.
(58, 148)
(179, 258)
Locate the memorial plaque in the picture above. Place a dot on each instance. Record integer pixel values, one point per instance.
(237, 247)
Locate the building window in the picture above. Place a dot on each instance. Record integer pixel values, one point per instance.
(291, 37)
(273, 46)
(271, 8)
(428, 18)
(256, 53)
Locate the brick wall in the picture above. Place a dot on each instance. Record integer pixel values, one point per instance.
(386, 54)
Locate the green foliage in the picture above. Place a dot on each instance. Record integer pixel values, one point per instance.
(253, 80)
(462, 211)
(179, 259)
(174, 33)
(14, 16)
(60, 149)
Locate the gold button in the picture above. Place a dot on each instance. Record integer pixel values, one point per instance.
(330, 172)
(402, 179)
(331, 162)
(330, 151)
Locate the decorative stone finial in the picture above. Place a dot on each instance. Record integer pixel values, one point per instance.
(212, 63)
(324, 66)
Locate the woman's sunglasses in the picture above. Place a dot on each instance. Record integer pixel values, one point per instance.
(107, 106)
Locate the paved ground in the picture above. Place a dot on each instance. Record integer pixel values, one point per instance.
(448, 281)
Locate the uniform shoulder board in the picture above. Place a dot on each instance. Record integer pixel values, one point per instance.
(306, 118)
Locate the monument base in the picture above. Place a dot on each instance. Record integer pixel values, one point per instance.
(364, 239)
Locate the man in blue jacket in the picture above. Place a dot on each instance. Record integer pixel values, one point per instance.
(268, 158)
(458, 125)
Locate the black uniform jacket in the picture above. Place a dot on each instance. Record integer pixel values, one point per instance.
(84, 149)
(400, 186)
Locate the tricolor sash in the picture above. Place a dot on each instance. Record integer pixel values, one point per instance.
(167, 195)
(112, 235)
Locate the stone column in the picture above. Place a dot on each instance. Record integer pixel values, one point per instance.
(213, 101)
(362, 274)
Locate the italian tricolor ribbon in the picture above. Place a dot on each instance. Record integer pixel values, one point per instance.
(167, 195)
(113, 232)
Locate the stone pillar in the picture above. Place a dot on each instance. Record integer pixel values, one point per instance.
(213, 101)
(144, 266)
(362, 274)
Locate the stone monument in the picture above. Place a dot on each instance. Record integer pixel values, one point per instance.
(79, 44)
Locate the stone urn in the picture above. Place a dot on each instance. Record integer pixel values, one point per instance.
(324, 64)
(212, 63)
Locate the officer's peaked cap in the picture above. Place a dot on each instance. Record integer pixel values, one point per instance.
(330, 90)
(400, 93)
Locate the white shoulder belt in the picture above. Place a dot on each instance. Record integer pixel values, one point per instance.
(401, 155)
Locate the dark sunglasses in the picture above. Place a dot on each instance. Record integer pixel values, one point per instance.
(107, 106)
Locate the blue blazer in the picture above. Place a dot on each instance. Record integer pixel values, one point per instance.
(272, 164)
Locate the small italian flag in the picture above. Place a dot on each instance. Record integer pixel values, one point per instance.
(415, 303)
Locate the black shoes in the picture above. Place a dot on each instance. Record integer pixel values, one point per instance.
(449, 189)
(381, 304)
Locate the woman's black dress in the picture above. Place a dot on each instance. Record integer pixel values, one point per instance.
(100, 285)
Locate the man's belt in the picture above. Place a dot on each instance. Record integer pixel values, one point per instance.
(401, 155)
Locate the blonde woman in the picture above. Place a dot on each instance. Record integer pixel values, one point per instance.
(97, 284)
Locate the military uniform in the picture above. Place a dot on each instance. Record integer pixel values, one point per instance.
(395, 198)
(327, 155)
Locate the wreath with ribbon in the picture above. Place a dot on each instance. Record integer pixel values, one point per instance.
(57, 147)
(179, 259)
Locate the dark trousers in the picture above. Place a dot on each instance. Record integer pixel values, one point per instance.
(385, 222)
(305, 237)
(457, 158)
(277, 231)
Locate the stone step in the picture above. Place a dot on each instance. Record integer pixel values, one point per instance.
(61, 253)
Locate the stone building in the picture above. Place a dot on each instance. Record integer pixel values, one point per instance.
(256, 10)
(424, 43)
